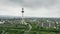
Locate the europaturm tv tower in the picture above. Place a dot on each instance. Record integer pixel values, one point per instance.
(22, 15)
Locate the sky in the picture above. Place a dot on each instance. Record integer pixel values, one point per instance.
(32, 8)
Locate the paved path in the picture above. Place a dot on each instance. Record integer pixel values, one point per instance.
(3, 32)
(30, 27)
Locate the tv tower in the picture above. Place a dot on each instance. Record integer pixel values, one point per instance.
(22, 15)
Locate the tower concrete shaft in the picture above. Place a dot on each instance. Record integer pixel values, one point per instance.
(22, 15)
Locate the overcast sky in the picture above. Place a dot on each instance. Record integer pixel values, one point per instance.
(32, 8)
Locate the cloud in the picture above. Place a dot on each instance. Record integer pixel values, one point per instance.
(37, 8)
(9, 8)
(37, 3)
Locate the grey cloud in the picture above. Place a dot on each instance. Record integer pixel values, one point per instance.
(51, 5)
(33, 3)
(37, 3)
